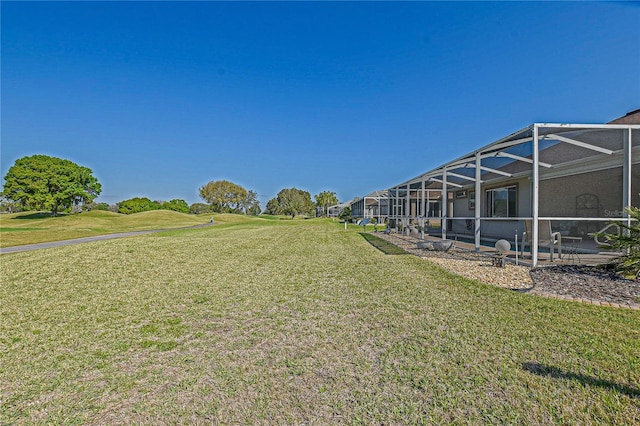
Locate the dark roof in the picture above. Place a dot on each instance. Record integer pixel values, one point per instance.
(632, 117)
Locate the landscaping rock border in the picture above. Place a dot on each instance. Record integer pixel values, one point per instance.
(578, 283)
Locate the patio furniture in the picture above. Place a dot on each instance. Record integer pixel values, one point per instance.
(602, 236)
(405, 224)
(439, 245)
(571, 248)
(546, 237)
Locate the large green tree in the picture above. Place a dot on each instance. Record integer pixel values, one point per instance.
(326, 199)
(293, 201)
(50, 183)
(224, 196)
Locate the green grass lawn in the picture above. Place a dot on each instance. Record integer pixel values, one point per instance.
(289, 322)
(39, 227)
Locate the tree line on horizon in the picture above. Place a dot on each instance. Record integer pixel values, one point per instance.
(41, 182)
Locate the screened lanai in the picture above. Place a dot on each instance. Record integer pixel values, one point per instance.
(373, 206)
(575, 178)
(335, 210)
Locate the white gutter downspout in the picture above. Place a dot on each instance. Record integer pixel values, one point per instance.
(388, 197)
(422, 209)
(626, 170)
(477, 201)
(445, 201)
(428, 206)
(535, 199)
(408, 204)
(396, 204)
(423, 212)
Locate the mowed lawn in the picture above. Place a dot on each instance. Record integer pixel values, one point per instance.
(296, 322)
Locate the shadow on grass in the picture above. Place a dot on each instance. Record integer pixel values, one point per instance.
(39, 215)
(556, 373)
(382, 245)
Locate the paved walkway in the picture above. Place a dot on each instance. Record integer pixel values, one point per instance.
(38, 246)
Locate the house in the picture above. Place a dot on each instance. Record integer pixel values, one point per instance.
(580, 177)
(335, 210)
(373, 205)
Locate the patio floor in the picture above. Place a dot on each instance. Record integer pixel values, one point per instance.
(570, 256)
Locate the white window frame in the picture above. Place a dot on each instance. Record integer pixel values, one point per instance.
(490, 197)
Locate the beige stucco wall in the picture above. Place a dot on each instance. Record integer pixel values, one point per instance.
(558, 196)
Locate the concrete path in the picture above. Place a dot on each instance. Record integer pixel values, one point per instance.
(38, 246)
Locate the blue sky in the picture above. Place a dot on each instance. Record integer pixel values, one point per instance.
(158, 98)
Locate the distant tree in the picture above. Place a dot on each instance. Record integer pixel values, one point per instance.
(250, 205)
(293, 201)
(49, 183)
(273, 207)
(137, 205)
(325, 199)
(197, 208)
(176, 205)
(95, 206)
(8, 206)
(224, 196)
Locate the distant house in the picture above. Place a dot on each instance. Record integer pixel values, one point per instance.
(578, 176)
(335, 210)
(373, 205)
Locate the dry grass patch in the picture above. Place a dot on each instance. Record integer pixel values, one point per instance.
(268, 322)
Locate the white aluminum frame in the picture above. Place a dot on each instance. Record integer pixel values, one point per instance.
(534, 133)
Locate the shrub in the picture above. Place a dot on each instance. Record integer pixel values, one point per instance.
(627, 241)
(197, 208)
(95, 206)
(137, 205)
(345, 214)
(176, 205)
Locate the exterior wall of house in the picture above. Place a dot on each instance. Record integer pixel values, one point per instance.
(595, 194)
(497, 228)
(377, 209)
(370, 207)
(357, 208)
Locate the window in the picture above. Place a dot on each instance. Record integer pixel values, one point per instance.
(472, 200)
(501, 202)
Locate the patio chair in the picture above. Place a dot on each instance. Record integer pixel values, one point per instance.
(546, 237)
(602, 237)
(405, 225)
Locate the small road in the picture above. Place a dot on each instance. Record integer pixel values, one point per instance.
(38, 246)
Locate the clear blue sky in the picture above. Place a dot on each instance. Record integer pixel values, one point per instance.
(158, 98)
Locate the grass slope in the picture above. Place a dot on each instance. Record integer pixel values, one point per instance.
(29, 228)
(289, 322)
